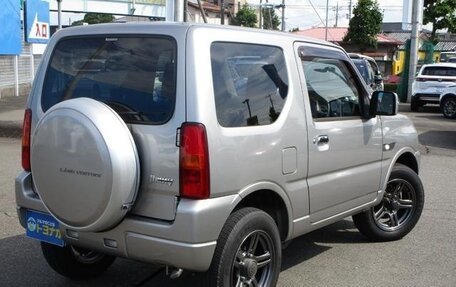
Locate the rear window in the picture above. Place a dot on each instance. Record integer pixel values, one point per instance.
(439, 71)
(136, 76)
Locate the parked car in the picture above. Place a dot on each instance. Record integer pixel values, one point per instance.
(452, 60)
(205, 148)
(373, 76)
(448, 102)
(430, 82)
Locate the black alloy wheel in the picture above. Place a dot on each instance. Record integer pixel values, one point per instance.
(399, 210)
(448, 107)
(397, 206)
(248, 252)
(252, 264)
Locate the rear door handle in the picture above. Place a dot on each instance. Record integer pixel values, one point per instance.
(321, 139)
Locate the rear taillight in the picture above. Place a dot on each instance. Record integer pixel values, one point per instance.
(26, 130)
(194, 162)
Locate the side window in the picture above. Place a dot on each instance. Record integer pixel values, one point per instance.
(250, 83)
(332, 90)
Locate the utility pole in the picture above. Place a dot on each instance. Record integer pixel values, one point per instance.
(326, 26)
(59, 13)
(261, 15)
(414, 41)
(185, 10)
(283, 15)
(349, 10)
(222, 12)
(337, 14)
(174, 10)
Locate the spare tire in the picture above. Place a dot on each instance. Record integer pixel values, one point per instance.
(85, 164)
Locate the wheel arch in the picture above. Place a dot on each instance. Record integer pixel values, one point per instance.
(272, 200)
(408, 159)
(406, 156)
(447, 96)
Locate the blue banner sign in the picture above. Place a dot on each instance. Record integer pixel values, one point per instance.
(37, 21)
(10, 23)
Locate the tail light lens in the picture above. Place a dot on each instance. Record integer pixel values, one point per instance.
(26, 138)
(194, 162)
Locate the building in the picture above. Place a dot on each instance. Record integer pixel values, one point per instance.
(213, 10)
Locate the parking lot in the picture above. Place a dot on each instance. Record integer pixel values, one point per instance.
(337, 255)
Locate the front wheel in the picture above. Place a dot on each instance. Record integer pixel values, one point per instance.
(399, 210)
(75, 262)
(448, 107)
(248, 251)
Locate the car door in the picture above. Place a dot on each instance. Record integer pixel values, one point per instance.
(345, 148)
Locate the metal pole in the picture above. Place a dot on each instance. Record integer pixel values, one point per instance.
(222, 12)
(185, 10)
(283, 15)
(261, 14)
(414, 45)
(326, 25)
(16, 74)
(59, 13)
(337, 13)
(350, 10)
(169, 10)
(178, 11)
(32, 67)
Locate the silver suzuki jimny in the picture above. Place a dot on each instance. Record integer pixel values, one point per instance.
(205, 148)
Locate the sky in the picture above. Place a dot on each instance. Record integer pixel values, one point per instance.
(306, 14)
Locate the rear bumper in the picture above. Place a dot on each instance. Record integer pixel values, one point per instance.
(188, 242)
(427, 98)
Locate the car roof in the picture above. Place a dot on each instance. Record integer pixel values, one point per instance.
(452, 65)
(360, 56)
(144, 27)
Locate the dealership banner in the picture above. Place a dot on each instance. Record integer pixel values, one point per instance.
(10, 23)
(37, 21)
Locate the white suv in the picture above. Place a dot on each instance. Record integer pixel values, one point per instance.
(431, 80)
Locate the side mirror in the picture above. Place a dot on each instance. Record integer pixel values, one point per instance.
(383, 104)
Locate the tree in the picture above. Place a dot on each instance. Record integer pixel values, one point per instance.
(245, 17)
(94, 18)
(442, 15)
(270, 19)
(365, 24)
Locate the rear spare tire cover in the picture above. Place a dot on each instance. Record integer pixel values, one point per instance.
(85, 164)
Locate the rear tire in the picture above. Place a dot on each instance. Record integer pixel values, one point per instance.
(399, 211)
(74, 262)
(448, 107)
(248, 251)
